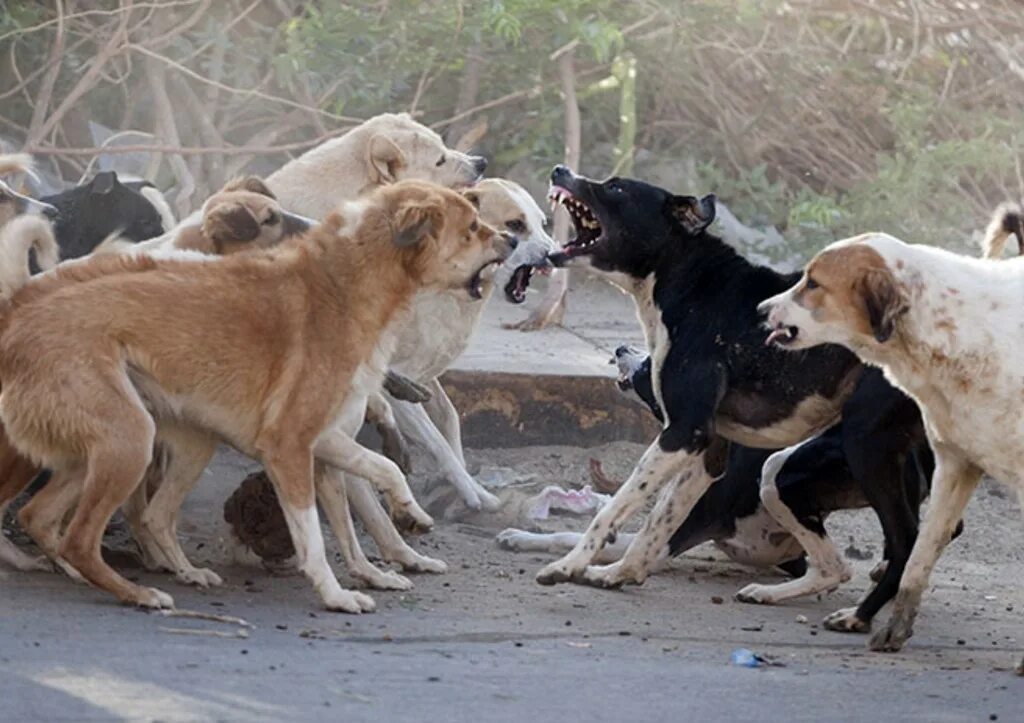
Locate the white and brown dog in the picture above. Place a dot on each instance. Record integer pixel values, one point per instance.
(944, 328)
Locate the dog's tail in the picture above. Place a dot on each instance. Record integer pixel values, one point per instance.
(18, 237)
(15, 163)
(1008, 220)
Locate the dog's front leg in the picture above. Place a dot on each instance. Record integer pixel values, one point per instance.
(338, 449)
(953, 483)
(414, 423)
(330, 491)
(650, 546)
(445, 416)
(656, 467)
(291, 471)
(380, 527)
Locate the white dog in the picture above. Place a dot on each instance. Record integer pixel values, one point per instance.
(947, 330)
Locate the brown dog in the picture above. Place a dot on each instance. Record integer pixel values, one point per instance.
(243, 215)
(258, 349)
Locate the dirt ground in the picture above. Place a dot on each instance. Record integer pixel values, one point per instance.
(484, 641)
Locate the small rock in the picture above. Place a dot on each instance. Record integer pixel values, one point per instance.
(802, 619)
(717, 599)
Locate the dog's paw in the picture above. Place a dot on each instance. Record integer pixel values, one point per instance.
(412, 561)
(510, 539)
(757, 594)
(846, 621)
(382, 579)
(878, 571)
(892, 637)
(610, 577)
(28, 563)
(150, 597)
(349, 601)
(200, 577)
(488, 502)
(411, 519)
(557, 572)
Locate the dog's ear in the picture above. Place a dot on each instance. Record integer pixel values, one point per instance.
(253, 184)
(384, 159)
(103, 182)
(884, 303)
(695, 214)
(415, 222)
(230, 222)
(473, 197)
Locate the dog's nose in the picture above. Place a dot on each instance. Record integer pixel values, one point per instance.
(560, 171)
(479, 164)
(623, 350)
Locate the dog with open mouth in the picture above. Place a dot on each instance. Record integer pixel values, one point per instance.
(712, 376)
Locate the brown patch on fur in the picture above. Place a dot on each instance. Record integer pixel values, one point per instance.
(854, 287)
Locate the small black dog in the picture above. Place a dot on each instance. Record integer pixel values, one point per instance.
(88, 214)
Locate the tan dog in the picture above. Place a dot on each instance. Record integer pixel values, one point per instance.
(281, 333)
(242, 215)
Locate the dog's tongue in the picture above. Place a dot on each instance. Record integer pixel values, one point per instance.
(515, 289)
(776, 334)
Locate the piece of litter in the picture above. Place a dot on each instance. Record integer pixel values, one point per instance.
(802, 619)
(753, 628)
(553, 498)
(499, 477)
(240, 633)
(213, 617)
(572, 644)
(991, 597)
(745, 658)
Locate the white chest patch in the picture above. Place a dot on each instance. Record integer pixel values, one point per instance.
(655, 334)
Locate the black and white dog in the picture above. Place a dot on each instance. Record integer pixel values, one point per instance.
(849, 466)
(712, 375)
(714, 380)
(88, 214)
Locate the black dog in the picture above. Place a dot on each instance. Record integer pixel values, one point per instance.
(712, 375)
(88, 214)
(876, 456)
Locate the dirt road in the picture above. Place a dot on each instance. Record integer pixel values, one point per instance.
(485, 642)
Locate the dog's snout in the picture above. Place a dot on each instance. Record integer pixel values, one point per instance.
(479, 164)
(624, 350)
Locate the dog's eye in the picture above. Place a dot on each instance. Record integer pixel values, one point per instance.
(614, 186)
(811, 284)
(515, 226)
(440, 161)
(271, 219)
(473, 227)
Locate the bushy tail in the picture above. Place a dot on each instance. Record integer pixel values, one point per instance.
(1008, 220)
(15, 163)
(17, 237)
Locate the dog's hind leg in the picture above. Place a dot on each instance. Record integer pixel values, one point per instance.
(953, 484)
(43, 516)
(415, 424)
(16, 473)
(380, 527)
(116, 463)
(187, 454)
(338, 449)
(330, 490)
(885, 479)
(818, 459)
